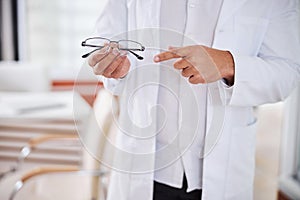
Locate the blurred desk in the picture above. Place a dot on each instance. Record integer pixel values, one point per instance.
(25, 115)
(88, 89)
(40, 106)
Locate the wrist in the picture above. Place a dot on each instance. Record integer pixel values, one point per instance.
(224, 62)
(228, 68)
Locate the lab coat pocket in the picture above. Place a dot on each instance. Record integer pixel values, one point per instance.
(241, 165)
(249, 34)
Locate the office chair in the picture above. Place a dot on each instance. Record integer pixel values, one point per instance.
(91, 174)
(32, 145)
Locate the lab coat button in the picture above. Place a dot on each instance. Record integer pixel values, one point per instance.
(221, 31)
(192, 5)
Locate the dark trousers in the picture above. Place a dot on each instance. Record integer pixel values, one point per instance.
(165, 192)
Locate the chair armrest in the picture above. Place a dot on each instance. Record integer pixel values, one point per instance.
(45, 138)
(48, 170)
(32, 144)
(37, 172)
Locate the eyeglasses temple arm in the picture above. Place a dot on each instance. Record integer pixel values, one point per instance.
(89, 53)
(136, 55)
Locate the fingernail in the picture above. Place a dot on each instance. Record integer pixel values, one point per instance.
(156, 58)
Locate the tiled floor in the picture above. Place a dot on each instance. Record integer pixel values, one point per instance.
(267, 151)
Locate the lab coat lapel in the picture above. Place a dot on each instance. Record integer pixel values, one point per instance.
(229, 7)
(148, 18)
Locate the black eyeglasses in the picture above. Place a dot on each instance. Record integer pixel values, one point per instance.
(98, 43)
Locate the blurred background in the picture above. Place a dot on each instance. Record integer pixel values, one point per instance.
(48, 33)
(41, 156)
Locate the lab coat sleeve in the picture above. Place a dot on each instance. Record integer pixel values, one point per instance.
(112, 22)
(272, 74)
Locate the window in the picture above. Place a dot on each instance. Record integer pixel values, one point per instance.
(55, 30)
(9, 20)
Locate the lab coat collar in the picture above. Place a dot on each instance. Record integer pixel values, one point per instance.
(229, 7)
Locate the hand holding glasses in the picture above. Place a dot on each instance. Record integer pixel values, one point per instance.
(104, 44)
(108, 58)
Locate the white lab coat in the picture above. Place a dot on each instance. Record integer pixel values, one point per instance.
(264, 42)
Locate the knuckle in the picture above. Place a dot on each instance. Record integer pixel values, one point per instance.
(96, 71)
(99, 69)
(109, 70)
(115, 75)
(174, 52)
(106, 72)
(194, 79)
(176, 66)
(94, 59)
(107, 75)
(184, 73)
(91, 61)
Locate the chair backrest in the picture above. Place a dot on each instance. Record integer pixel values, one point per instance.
(23, 77)
(99, 128)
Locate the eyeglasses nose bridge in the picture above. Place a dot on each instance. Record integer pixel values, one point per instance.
(114, 44)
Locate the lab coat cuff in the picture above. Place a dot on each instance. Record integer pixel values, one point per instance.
(235, 94)
(112, 85)
(242, 77)
(225, 92)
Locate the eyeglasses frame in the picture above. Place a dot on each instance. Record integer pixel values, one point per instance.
(98, 47)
